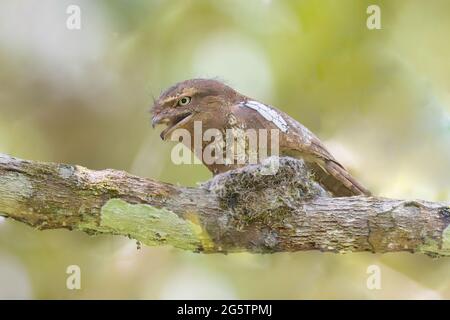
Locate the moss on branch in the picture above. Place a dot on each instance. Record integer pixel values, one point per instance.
(241, 210)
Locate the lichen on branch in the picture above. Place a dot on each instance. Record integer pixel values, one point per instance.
(240, 210)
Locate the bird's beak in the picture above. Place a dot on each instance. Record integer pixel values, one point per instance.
(155, 121)
(172, 122)
(161, 119)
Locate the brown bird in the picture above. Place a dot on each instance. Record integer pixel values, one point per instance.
(215, 105)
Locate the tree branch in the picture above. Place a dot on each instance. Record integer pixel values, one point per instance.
(241, 210)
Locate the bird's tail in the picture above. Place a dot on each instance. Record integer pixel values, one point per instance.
(334, 178)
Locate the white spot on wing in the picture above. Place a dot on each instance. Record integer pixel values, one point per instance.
(268, 113)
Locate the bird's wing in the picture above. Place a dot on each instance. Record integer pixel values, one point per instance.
(294, 135)
(329, 172)
(298, 141)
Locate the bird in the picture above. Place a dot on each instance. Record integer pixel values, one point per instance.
(215, 105)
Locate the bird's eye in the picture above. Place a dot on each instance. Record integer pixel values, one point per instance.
(184, 101)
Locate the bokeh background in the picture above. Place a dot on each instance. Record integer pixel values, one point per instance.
(379, 99)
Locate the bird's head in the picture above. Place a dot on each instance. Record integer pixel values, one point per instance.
(195, 99)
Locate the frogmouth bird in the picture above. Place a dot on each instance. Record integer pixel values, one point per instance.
(214, 105)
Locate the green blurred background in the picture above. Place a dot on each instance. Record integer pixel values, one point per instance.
(379, 99)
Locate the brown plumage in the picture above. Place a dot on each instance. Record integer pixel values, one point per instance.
(217, 106)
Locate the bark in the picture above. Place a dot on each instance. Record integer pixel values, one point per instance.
(241, 210)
